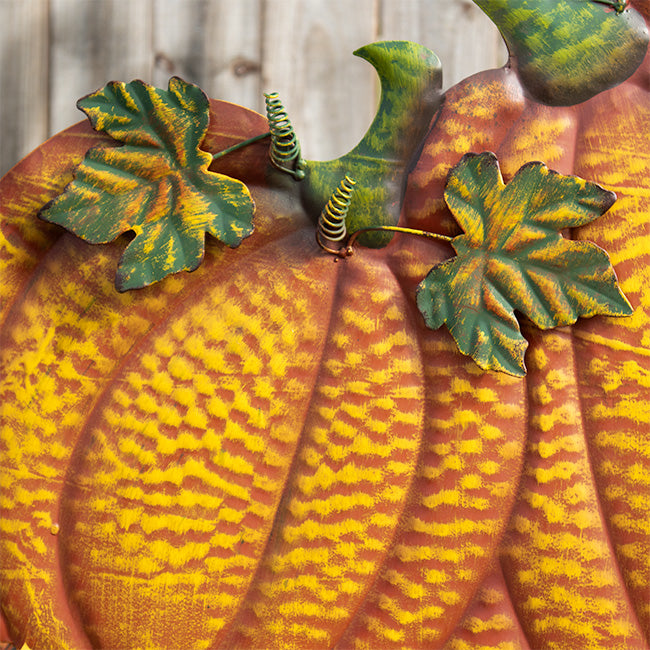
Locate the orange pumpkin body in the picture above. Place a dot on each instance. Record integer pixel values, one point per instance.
(274, 452)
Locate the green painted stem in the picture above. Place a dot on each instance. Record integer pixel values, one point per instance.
(411, 79)
(241, 145)
(407, 231)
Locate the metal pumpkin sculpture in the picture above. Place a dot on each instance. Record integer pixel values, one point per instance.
(285, 448)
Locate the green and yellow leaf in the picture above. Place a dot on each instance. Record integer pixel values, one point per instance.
(156, 185)
(513, 257)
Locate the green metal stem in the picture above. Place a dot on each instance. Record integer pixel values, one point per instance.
(241, 145)
(407, 231)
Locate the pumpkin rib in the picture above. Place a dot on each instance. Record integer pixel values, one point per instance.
(231, 630)
(390, 545)
(555, 564)
(42, 270)
(415, 318)
(65, 150)
(371, 583)
(67, 618)
(576, 373)
(613, 353)
(344, 488)
(398, 566)
(555, 136)
(244, 263)
(605, 524)
(408, 289)
(497, 555)
(405, 263)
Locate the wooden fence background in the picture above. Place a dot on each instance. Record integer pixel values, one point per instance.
(54, 51)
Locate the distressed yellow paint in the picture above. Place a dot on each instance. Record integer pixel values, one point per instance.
(456, 529)
(560, 471)
(459, 644)
(565, 414)
(546, 449)
(370, 496)
(613, 343)
(348, 475)
(375, 625)
(311, 530)
(635, 410)
(409, 588)
(498, 622)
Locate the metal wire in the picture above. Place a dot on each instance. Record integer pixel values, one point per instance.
(285, 149)
(331, 222)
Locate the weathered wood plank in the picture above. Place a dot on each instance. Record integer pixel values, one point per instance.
(213, 43)
(234, 50)
(307, 58)
(462, 36)
(94, 42)
(23, 78)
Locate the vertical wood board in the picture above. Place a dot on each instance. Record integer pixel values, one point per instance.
(213, 43)
(462, 36)
(94, 42)
(24, 88)
(307, 58)
(56, 51)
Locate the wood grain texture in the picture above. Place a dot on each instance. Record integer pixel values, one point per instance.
(213, 43)
(330, 95)
(56, 51)
(24, 46)
(458, 32)
(93, 43)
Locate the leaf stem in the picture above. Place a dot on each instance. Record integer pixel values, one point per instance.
(407, 231)
(240, 145)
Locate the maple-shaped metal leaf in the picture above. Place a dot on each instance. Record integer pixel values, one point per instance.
(157, 184)
(512, 257)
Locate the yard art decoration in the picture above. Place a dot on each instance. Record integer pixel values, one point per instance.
(285, 448)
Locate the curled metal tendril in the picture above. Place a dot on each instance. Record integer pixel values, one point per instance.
(331, 223)
(285, 149)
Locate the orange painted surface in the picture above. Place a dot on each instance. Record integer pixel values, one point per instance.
(575, 554)
(274, 452)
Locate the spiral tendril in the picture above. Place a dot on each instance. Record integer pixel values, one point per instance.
(285, 149)
(331, 222)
